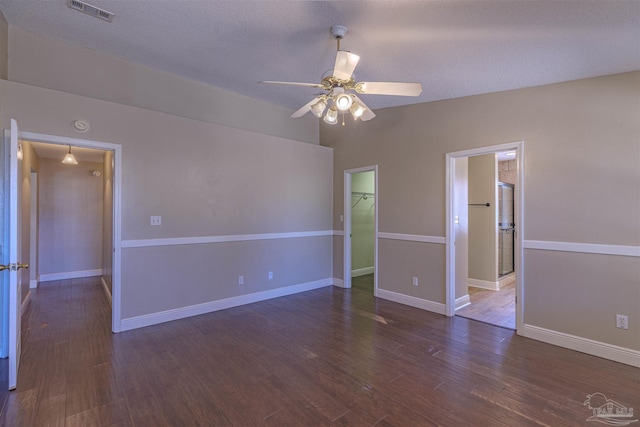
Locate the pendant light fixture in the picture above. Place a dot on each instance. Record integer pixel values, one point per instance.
(70, 159)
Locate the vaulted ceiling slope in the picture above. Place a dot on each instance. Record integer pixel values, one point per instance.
(454, 48)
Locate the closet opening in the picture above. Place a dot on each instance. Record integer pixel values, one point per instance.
(360, 229)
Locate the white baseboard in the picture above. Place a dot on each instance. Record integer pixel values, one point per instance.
(423, 304)
(463, 301)
(505, 280)
(584, 345)
(106, 289)
(70, 275)
(25, 302)
(362, 271)
(33, 284)
(208, 307)
(338, 282)
(484, 284)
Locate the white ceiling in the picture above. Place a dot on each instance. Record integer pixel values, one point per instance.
(454, 48)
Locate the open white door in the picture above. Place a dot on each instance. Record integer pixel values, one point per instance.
(12, 238)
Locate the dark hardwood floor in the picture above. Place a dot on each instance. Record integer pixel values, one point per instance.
(494, 307)
(364, 283)
(325, 357)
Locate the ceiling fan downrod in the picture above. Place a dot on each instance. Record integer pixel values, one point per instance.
(338, 32)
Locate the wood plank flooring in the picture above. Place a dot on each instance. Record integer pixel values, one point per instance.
(494, 307)
(325, 357)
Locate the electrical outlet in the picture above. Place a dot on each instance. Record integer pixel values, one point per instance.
(414, 282)
(622, 321)
(156, 220)
(240, 280)
(271, 275)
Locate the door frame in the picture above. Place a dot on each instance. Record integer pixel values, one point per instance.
(451, 158)
(346, 272)
(116, 289)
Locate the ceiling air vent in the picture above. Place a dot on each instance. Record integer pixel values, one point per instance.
(90, 10)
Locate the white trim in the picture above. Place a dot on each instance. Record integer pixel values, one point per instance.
(586, 248)
(483, 284)
(463, 301)
(362, 271)
(33, 284)
(338, 282)
(412, 238)
(106, 289)
(338, 232)
(117, 208)
(208, 307)
(198, 240)
(48, 277)
(25, 302)
(505, 280)
(423, 304)
(584, 345)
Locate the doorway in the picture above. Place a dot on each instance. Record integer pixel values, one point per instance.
(363, 200)
(361, 229)
(484, 247)
(112, 235)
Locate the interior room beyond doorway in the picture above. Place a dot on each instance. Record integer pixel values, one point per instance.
(485, 220)
(363, 200)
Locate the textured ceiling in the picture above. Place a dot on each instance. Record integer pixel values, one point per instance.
(454, 48)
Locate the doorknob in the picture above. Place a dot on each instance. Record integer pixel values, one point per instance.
(14, 267)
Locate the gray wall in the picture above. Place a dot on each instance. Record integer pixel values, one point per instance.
(4, 47)
(204, 180)
(70, 216)
(107, 219)
(581, 186)
(43, 62)
(30, 162)
(483, 234)
(461, 210)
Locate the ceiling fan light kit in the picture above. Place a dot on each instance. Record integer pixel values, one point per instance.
(340, 88)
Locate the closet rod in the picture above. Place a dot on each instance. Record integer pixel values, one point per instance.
(358, 193)
(480, 204)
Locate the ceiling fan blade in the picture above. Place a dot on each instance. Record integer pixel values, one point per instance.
(292, 83)
(305, 108)
(368, 114)
(345, 64)
(389, 88)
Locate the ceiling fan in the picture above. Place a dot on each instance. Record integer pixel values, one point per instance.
(339, 89)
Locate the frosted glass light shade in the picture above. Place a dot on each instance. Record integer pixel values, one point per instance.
(343, 102)
(331, 117)
(318, 108)
(70, 159)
